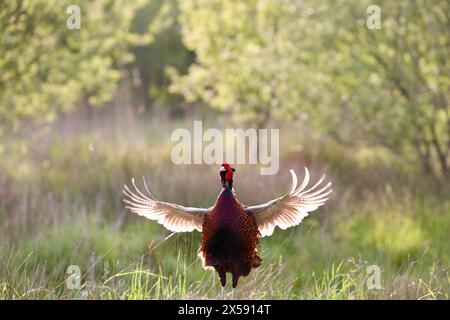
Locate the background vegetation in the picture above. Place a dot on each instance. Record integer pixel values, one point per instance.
(83, 111)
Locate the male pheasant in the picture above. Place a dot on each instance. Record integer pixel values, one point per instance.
(230, 231)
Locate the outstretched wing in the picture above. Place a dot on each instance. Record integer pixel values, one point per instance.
(290, 209)
(173, 217)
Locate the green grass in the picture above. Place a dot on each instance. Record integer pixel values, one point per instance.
(60, 192)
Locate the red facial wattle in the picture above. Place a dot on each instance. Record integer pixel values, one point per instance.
(229, 174)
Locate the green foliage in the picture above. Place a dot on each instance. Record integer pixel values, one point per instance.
(46, 67)
(318, 63)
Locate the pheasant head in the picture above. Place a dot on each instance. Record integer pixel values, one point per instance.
(226, 173)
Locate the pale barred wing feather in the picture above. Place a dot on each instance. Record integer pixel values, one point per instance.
(290, 209)
(173, 217)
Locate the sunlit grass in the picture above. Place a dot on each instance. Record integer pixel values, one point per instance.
(141, 261)
(61, 205)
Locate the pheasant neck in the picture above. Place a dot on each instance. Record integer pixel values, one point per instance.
(226, 190)
(227, 207)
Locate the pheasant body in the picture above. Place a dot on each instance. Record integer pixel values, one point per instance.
(229, 239)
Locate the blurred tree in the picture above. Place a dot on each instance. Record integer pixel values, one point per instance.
(47, 67)
(158, 18)
(395, 82)
(317, 61)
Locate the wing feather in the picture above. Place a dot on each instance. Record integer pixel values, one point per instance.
(290, 209)
(173, 217)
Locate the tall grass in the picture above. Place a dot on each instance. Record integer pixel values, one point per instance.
(60, 192)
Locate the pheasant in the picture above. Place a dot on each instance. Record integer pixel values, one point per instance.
(231, 231)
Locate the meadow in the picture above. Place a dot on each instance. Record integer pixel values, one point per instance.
(61, 205)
